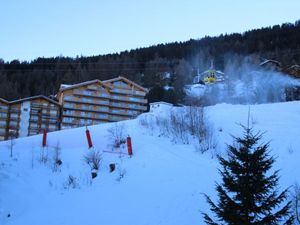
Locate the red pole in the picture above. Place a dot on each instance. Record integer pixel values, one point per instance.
(129, 145)
(88, 137)
(44, 138)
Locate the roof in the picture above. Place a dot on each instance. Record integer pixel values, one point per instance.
(297, 67)
(64, 87)
(212, 70)
(4, 101)
(159, 103)
(127, 81)
(33, 98)
(270, 61)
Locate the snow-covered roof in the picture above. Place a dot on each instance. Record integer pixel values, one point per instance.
(297, 67)
(107, 82)
(67, 87)
(33, 98)
(270, 61)
(210, 70)
(160, 103)
(4, 101)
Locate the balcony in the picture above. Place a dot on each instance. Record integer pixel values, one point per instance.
(118, 118)
(88, 117)
(128, 92)
(14, 110)
(128, 106)
(91, 94)
(69, 100)
(40, 106)
(2, 110)
(128, 99)
(14, 118)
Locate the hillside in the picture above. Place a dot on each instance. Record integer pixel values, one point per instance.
(163, 183)
(146, 65)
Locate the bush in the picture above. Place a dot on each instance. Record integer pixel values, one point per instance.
(93, 159)
(57, 158)
(116, 134)
(71, 182)
(184, 125)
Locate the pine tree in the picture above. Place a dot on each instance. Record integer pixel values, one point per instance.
(248, 193)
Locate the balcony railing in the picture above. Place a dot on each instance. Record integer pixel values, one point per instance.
(128, 99)
(14, 110)
(127, 91)
(91, 94)
(40, 106)
(82, 101)
(128, 106)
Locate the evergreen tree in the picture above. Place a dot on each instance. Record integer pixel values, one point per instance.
(248, 194)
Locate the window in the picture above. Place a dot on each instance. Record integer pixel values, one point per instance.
(102, 116)
(68, 105)
(53, 112)
(67, 120)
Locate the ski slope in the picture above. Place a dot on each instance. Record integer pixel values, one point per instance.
(163, 183)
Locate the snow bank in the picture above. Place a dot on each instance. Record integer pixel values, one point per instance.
(161, 184)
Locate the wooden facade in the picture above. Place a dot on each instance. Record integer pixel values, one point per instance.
(29, 116)
(127, 99)
(4, 118)
(82, 104)
(95, 102)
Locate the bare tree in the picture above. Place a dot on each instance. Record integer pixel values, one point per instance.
(93, 159)
(57, 157)
(116, 134)
(12, 143)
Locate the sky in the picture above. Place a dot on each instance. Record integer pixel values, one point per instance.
(49, 28)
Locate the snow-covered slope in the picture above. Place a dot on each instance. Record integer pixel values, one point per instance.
(163, 183)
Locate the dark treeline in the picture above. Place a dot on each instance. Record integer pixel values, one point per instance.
(149, 66)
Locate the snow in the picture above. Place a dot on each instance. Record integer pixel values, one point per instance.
(163, 183)
(195, 90)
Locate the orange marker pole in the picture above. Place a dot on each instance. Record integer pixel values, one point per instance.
(129, 146)
(44, 143)
(88, 137)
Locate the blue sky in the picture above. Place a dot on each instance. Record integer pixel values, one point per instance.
(33, 28)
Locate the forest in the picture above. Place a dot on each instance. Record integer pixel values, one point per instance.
(149, 66)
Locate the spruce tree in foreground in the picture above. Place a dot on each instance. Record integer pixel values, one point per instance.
(248, 193)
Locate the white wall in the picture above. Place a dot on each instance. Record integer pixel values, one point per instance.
(24, 119)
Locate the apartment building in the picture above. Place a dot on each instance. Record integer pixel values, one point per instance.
(82, 104)
(95, 102)
(30, 116)
(4, 118)
(127, 99)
